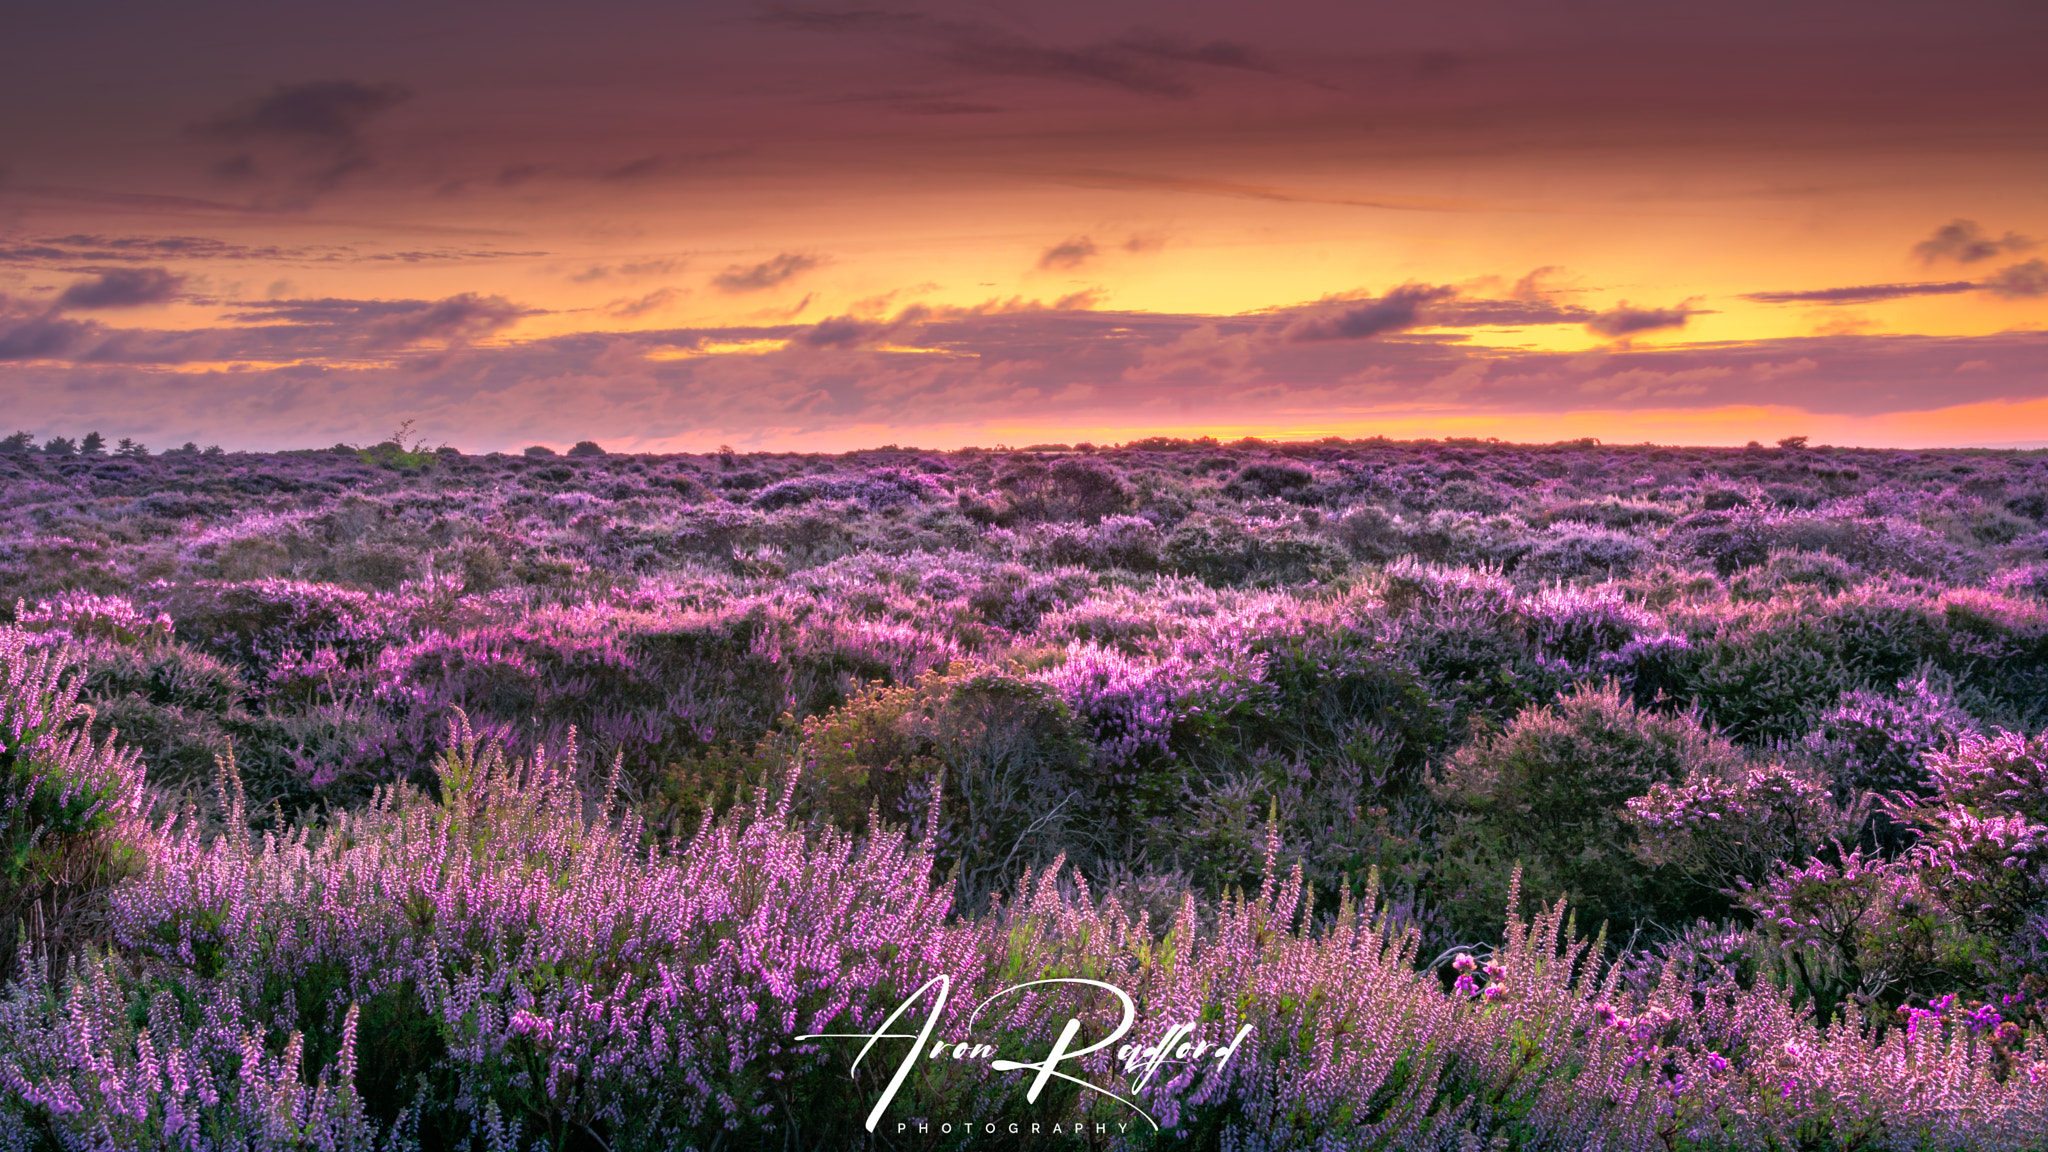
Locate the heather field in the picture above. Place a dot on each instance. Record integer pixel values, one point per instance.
(1362, 794)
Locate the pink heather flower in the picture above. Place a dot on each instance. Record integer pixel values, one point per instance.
(1983, 1018)
(1464, 962)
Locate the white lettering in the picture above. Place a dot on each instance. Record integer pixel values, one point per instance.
(1224, 1054)
(1048, 1068)
(945, 986)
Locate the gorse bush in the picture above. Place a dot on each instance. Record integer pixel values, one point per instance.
(763, 742)
(1551, 791)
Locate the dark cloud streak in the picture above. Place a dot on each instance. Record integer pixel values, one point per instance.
(311, 132)
(1863, 293)
(1143, 61)
(1964, 242)
(738, 278)
(1071, 253)
(123, 288)
(1398, 309)
(1624, 321)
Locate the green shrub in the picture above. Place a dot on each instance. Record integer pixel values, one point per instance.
(1767, 675)
(1068, 489)
(1550, 792)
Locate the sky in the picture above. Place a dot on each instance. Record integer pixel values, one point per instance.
(666, 227)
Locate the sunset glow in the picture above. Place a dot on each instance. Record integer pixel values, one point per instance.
(817, 226)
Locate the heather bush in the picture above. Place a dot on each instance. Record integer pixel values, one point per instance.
(1226, 552)
(1370, 534)
(1580, 551)
(1765, 674)
(1955, 914)
(1268, 479)
(1127, 542)
(1720, 827)
(983, 767)
(1463, 538)
(652, 684)
(1071, 488)
(1984, 831)
(1818, 572)
(2028, 580)
(71, 817)
(256, 623)
(654, 1000)
(1618, 514)
(1745, 537)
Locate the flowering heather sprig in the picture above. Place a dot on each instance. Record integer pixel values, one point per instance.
(1877, 742)
(1984, 831)
(88, 617)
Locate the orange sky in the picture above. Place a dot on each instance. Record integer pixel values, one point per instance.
(821, 227)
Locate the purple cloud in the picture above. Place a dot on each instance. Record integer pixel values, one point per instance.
(1616, 323)
(2020, 281)
(1965, 243)
(123, 288)
(311, 134)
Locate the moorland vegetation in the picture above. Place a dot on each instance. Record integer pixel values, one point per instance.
(1554, 796)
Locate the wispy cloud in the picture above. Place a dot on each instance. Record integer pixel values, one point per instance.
(781, 269)
(1399, 309)
(1071, 253)
(1143, 61)
(123, 288)
(304, 138)
(2020, 281)
(1863, 293)
(1965, 242)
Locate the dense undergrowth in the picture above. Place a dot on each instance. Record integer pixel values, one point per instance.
(769, 741)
